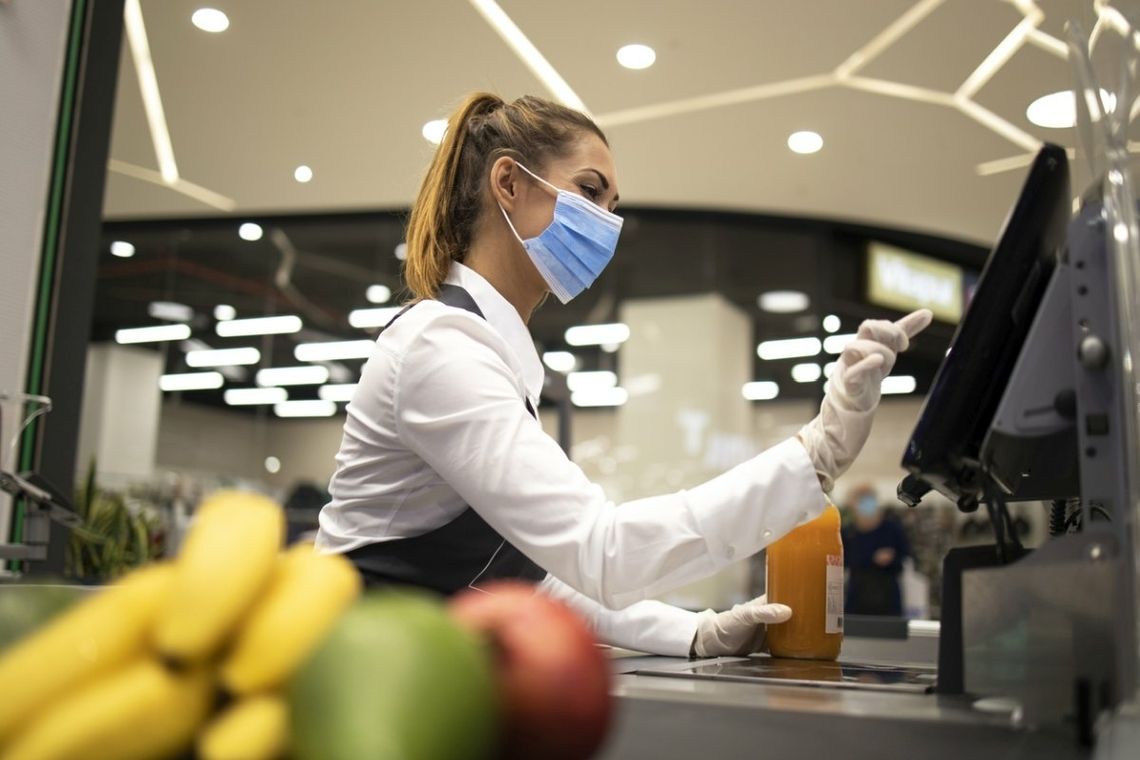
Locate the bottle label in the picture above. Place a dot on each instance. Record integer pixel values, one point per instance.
(833, 622)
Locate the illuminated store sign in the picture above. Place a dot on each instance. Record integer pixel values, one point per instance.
(906, 281)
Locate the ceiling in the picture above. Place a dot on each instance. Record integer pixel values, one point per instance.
(345, 87)
(713, 199)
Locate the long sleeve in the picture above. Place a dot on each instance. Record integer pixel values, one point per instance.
(458, 406)
(646, 626)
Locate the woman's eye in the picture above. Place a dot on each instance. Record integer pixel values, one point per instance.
(590, 192)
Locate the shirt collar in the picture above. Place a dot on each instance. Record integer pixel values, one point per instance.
(505, 320)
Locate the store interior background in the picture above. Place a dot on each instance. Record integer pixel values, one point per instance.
(922, 111)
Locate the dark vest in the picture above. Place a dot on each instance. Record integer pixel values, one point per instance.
(463, 553)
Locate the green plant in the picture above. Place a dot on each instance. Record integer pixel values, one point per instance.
(114, 537)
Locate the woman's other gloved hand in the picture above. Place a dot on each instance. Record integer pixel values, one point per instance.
(835, 437)
(739, 631)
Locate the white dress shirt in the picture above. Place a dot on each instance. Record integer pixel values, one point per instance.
(438, 423)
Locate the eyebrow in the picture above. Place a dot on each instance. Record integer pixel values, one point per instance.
(605, 182)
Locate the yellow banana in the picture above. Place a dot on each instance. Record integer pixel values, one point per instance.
(225, 563)
(256, 728)
(140, 712)
(308, 594)
(91, 639)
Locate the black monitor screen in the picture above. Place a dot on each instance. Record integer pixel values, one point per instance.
(943, 451)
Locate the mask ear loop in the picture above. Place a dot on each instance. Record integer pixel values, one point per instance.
(504, 211)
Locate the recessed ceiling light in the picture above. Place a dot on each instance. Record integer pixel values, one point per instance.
(302, 173)
(250, 231)
(255, 396)
(191, 381)
(284, 324)
(636, 56)
(336, 350)
(378, 294)
(806, 373)
(831, 323)
(788, 348)
(378, 317)
(560, 361)
(783, 301)
(210, 20)
(305, 408)
(122, 249)
(402, 251)
(222, 357)
(337, 392)
(898, 384)
(597, 335)
(170, 311)
(805, 142)
(224, 312)
(593, 380)
(272, 465)
(834, 344)
(599, 397)
(152, 334)
(761, 390)
(434, 130)
(1058, 110)
(310, 374)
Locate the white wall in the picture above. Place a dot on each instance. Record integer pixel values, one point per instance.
(198, 440)
(32, 48)
(118, 429)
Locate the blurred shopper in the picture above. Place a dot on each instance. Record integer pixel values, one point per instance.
(445, 478)
(874, 547)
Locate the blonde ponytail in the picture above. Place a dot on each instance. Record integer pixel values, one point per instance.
(447, 207)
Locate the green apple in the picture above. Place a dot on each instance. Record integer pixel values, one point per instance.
(396, 678)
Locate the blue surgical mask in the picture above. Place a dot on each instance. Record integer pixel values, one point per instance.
(577, 244)
(867, 506)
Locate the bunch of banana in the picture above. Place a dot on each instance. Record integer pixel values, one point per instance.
(137, 671)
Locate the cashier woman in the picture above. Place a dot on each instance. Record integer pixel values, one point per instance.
(445, 478)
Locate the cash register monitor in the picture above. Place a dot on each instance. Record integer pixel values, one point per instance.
(944, 449)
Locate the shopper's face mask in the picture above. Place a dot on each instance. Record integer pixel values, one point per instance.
(577, 244)
(867, 506)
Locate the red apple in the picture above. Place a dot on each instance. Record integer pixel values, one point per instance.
(554, 681)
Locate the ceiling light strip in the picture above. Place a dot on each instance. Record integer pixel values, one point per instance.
(997, 58)
(886, 38)
(715, 100)
(988, 118)
(899, 90)
(1048, 43)
(528, 53)
(1112, 16)
(199, 193)
(189, 189)
(999, 165)
(148, 85)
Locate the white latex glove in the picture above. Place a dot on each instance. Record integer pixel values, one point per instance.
(834, 438)
(738, 631)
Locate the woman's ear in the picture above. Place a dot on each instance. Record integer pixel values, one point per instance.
(504, 182)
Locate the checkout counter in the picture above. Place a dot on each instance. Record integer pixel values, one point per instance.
(1037, 653)
(663, 713)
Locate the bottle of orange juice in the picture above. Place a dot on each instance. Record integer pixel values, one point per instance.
(805, 572)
